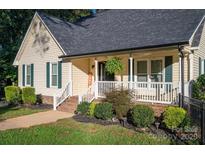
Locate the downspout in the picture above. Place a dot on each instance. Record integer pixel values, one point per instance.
(181, 54)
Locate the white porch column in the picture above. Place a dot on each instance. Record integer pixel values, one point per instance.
(96, 79)
(70, 78)
(179, 74)
(131, 72)
(191, 75)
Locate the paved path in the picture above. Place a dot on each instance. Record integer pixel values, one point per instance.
(33, 119)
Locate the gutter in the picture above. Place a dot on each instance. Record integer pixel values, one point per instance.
(127, 49)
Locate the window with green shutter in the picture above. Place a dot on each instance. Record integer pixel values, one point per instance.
(47, 75)
(59, 74)
(199, 65)
(32, 75)
(23, 74)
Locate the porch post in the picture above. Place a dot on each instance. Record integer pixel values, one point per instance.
(191, 76)
(96, 79)
(181, 54)
(131, 72)
(70, 78)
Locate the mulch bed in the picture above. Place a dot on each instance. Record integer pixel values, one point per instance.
(152, 129)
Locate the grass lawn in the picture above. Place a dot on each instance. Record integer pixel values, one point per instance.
(11, 112)
(69, 131)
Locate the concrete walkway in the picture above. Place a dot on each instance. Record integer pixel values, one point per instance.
(33, 119)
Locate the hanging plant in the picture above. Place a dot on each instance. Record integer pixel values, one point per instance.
(114, 65)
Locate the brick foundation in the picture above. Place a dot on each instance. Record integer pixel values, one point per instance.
(47, 99)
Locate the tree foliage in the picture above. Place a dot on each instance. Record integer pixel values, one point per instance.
(13, 26)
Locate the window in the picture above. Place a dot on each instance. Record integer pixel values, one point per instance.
(156, 71)
(54, 74)
(142, 71)
(28, 74)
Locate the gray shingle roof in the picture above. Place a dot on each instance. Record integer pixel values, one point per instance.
(124, 29)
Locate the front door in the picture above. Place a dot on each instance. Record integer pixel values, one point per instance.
(103, 74)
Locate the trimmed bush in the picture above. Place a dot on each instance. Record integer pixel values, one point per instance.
(83, 107)
(91, 109)
(199, 88)
(142, 115)
(173, 117)
(28, 95)
(103, 111)
(13, 94)
(121, 101)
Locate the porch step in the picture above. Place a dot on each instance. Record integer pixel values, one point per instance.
(69, 105)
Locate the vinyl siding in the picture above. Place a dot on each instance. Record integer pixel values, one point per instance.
(80, 70)
(199, 53)
(34, 54)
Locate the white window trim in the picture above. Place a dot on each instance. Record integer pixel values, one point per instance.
(149, 68)
(135, 70)
(51, 86)
(26, 75)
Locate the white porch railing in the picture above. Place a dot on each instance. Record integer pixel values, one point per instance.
(62, 96)
(154, 92)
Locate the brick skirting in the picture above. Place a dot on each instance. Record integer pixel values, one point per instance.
(47, 99)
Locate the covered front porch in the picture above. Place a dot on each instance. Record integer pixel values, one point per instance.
(152, 76)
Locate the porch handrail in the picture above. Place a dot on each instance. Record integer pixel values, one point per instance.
(62, 96)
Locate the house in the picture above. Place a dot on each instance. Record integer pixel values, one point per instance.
(161, 51)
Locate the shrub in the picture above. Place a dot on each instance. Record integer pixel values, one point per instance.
(187, 122)
(28, 95)
(13, 94)
(91, 109)
(173, 117)
(142, 115)
(83, 107)
(121, 101)
(199, 88)
(103, 111)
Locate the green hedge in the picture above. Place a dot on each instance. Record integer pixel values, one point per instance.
(83, 107)
(13, 94)
(104, 111)
(28, 95)
(173, 117)
(142, 115)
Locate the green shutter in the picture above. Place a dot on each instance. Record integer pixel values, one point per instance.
(23, 74)
(59, 74)
(32, 74)
(48, 75)
(199, 65)
(204, 66)
(168, 69)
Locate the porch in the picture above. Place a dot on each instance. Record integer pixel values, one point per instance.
(152, 76)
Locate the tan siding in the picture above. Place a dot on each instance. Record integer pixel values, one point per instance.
(80, 72)
(34, 54)
(199, 53)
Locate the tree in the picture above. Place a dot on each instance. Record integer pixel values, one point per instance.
(13, 26)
